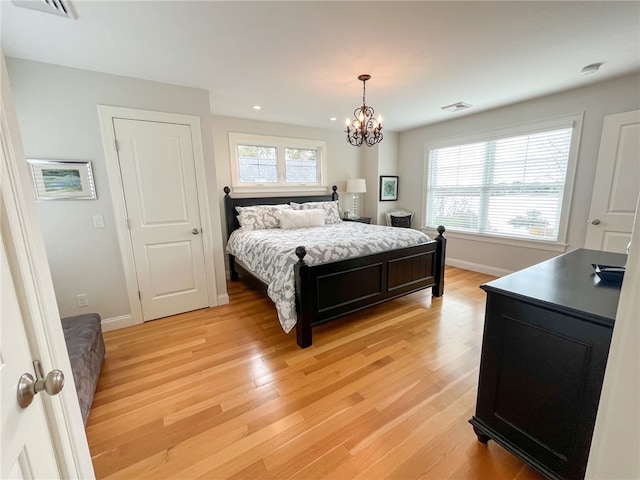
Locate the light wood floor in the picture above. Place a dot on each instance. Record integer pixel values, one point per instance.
(225, 393)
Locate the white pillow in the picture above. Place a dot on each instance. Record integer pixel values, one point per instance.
(331, 208)
(290, 219)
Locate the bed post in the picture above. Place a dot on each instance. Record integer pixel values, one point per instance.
(438, 288)
(334, 193)
(303, 324)
(230, 215)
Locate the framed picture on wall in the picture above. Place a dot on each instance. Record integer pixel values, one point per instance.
(388, 188)
(62, 180)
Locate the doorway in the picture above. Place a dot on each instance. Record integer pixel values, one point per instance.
(617, 184)
(156, 175)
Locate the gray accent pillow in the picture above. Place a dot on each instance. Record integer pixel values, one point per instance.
(259, 217)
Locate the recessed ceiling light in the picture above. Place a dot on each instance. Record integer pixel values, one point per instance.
(456, 107)
(333, 119)
(593, 68)
(257, 107)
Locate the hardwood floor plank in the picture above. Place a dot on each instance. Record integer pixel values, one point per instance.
(406, 443)
(224, 393)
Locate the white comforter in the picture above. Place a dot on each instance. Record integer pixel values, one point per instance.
(270, 253)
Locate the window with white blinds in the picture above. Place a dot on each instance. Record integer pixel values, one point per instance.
(511, 186)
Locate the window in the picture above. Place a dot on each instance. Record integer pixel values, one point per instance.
(265, 163)
(257, 164)
(513, 184)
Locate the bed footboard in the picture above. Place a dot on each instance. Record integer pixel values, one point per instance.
(329, 290)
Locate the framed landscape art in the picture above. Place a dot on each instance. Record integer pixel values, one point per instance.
(62, 180)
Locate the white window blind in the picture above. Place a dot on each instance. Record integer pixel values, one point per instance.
(510, 186)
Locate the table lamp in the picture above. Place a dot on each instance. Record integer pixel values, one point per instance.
(356, 186)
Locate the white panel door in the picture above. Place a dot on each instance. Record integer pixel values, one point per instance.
(617, 184)
(27, 450)
(159, 184)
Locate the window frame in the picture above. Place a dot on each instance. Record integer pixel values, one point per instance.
(574, 121)
(280, 143)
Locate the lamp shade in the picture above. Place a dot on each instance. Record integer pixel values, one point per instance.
(356, 185)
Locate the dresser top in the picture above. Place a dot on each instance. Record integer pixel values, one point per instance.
(567, 282)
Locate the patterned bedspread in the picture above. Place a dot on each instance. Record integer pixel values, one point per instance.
(270, 253)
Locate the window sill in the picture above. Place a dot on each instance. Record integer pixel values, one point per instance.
(511, 241)
(281, 189)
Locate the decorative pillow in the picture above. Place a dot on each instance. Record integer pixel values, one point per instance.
(401, 221)
(331, 208)
(302, 218)
(258, 217)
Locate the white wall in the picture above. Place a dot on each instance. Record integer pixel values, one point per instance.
(58, 118)
(343, 159)
(369, 171)
(388, 165)
(597, 101)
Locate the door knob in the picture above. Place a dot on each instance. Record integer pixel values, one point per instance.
(595, 222)
(195, 231)
(28, 386)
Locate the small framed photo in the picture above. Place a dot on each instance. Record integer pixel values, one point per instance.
(388, 188)
(62, 180)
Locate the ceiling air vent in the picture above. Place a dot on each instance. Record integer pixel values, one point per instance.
(456, 107)
(57, 7)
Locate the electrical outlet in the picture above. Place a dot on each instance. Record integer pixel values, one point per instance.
(82, 300)
(98, 221)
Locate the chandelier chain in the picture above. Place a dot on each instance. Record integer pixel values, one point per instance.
(364, 92)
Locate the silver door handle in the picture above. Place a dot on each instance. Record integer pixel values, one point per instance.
(195, 231)
(28, 386)
(595, 222)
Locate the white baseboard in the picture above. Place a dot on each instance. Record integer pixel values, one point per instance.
(478, 267)
(124, 321)
(115, 323)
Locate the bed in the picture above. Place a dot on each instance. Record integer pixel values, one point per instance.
(325, 290)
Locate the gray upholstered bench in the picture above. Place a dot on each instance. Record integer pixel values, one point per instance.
(83, 335)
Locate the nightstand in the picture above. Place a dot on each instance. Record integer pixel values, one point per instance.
(359, 219)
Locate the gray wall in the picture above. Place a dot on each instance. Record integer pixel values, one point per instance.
(58, 119)
(597, 101)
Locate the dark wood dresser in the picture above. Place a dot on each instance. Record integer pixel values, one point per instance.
(546, 340)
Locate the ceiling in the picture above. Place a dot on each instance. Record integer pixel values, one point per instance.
(300, 60)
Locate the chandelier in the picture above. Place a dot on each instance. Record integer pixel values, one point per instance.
(364, 128)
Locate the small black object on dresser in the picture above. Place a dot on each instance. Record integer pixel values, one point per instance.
(546, 341)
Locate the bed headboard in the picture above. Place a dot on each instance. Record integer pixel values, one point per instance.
(230, 204)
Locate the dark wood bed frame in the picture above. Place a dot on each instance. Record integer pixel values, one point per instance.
(333, 289)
